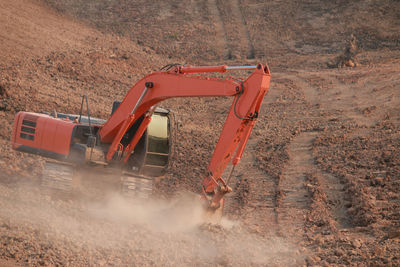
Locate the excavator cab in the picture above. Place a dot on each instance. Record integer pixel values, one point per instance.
(151, 154)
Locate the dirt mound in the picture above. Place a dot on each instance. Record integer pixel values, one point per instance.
(348, 58)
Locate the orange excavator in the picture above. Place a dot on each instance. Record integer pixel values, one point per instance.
(135, 142)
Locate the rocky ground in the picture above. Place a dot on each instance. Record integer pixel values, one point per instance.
(318, 184)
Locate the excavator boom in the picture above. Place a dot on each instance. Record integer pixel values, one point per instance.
(179, 82)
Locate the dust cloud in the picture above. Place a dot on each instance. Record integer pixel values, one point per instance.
(181, 214)
(120, 231)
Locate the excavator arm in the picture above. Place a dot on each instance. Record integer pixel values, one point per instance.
(179, 82)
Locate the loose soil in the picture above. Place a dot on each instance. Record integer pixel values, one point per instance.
(318, 184)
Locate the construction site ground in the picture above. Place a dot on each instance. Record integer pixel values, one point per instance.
(318, 184)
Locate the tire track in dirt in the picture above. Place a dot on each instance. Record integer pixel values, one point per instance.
(345, 99)
(237, 36)
(336, 199)
(293, 202)
(221, 39)
(244, 33)
(350, 100)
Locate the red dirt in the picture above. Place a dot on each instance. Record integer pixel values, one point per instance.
(318, 184)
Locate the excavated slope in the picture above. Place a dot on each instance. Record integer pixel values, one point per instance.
(318, 184)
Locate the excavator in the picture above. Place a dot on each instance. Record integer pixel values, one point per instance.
(134, 144)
